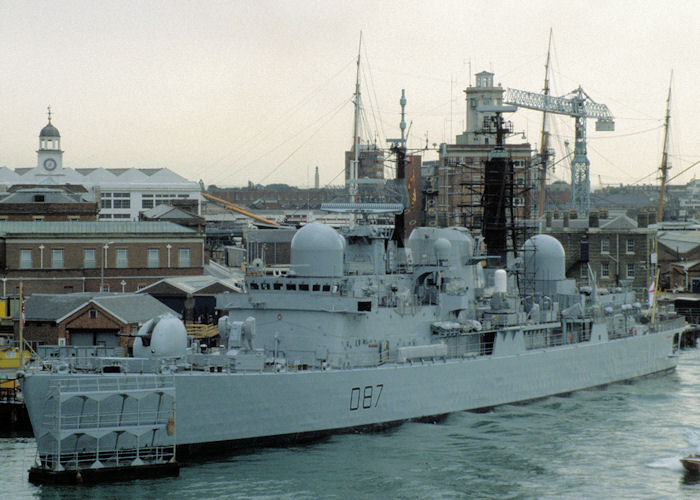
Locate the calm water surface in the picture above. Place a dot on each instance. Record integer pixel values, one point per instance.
(622, 441)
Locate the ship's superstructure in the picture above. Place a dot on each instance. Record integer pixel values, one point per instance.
(359, 331)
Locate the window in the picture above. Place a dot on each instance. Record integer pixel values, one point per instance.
(106, 203)
(153, 257)
(90, 258)
(25, 258)
(630, 270)
(605, 270)
(147, 203)
(630, 246)
(38, 218)
(121, 200)
(583, 271)
(605, 245)
(57, 258)
(93, 313)
(183, 257)
(122, 257)
(74, 218)
(583, 244)
(105, 288)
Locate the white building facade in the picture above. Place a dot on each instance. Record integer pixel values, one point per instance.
(122, 193)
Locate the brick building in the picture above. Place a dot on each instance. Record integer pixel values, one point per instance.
(85, 319)
(460, 170)
(370, 171)
(616, 249)
(460, 183)
(679, 256)
(66, 257)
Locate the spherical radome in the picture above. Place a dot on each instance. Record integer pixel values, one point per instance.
(317, 250)
(544, 258)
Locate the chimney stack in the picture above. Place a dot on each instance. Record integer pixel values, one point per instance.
(593, 219)
(642, 219)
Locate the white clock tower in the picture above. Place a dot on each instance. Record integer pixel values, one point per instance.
(49, 155)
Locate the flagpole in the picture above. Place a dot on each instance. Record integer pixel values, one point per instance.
(21, 326)
(653, 305)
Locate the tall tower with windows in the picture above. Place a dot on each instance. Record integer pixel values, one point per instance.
(49, 154)
(483, 93)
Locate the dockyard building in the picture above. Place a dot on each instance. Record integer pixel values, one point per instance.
(47, 204)
(88, 319)
(77, 256)
(120, 193)
(460, 170)
(617, 250)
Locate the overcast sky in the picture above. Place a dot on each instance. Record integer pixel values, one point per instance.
(257, 90)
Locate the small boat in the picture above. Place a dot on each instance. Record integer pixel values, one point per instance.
(692, 463)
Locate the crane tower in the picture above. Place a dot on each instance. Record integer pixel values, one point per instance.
(579, 105)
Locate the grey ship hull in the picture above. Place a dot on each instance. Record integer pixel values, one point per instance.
(242, 407)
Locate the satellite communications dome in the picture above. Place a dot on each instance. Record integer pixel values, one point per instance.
(544, 258)
(318, 250)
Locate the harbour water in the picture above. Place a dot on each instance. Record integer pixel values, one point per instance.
(620, 441)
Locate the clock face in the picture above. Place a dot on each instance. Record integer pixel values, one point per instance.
(49, 164)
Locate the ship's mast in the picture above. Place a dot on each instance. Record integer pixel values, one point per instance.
(664, 156)
(544, 138)
(356, 132)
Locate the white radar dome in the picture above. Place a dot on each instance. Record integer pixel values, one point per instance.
(544, 258)
(442, 249)
(164, 336)
(318, 250)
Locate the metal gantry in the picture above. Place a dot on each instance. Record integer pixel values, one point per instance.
(579, 105)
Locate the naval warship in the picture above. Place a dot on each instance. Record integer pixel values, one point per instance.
(366, 328)
(358, 332)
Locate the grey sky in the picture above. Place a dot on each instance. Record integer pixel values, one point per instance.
(261, 90)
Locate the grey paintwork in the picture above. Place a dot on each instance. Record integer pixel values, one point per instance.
(358, 332)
